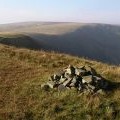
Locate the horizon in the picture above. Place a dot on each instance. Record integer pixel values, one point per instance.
(20, 22)
(100, 11)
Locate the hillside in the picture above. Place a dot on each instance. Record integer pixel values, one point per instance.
(50, 28)
(21, 73)
(99, 42)
(19, 40)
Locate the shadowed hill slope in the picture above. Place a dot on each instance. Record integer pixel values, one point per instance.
(99, 42)
(19, 40)
(95, 41)
(21, 73)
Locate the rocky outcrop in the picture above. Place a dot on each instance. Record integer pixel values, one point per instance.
(79, 78)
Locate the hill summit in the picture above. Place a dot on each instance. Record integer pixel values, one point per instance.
(22, 72)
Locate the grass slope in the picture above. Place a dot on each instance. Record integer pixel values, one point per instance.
(21, 73)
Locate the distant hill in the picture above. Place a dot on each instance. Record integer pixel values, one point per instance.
(40, 27)
(95, 41)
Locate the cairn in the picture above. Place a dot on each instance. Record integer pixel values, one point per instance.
(81, 79)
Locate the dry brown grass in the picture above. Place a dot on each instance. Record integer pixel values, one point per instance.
(21, 98)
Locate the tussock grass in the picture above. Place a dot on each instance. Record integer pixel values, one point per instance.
(21, 73)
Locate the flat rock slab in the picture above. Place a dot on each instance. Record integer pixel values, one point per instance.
(62, 80)
(79, 71)
(91, 87)
(87, 79)
(96, 78)
(67, 82)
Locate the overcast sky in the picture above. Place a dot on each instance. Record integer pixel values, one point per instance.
(89, 11)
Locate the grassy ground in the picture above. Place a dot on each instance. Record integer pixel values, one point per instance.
(21, 73)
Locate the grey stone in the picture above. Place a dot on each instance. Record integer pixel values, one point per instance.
(56, 77)
(77, 71)
(74, 80)
(87, 79)
(62, 80)
(100, 83)
(67, 75)
(96, 78)
(92, 70)
(51, 84)
(61, 87)
(67, 82)
(51, 78)
(82, 79)
(80, 87)
(72, 85)
(101, 92)
(70, 70)
(91, 87)
(80, 71)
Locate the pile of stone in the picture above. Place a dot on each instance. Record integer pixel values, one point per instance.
(81, 79)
